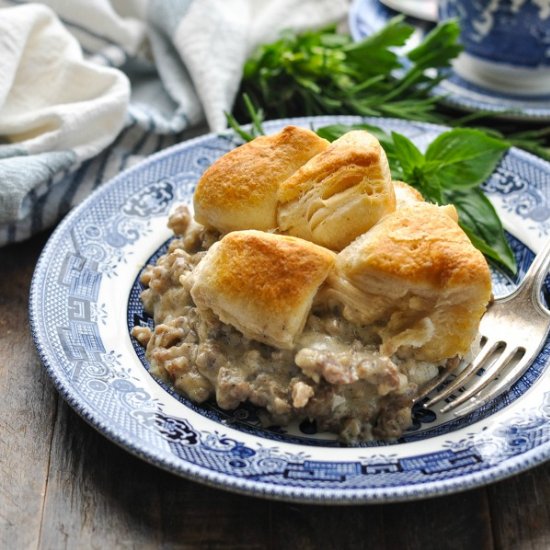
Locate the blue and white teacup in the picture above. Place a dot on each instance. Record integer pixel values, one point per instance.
(506, 43)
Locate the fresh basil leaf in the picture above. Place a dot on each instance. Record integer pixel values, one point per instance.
(484, 248)
(428, 185)
(465, 158)
(481, 223)
(412, 168)
(408, 155)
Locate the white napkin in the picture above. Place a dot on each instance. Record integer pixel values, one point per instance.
(90, 88)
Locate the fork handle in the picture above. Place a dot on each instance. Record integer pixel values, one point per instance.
(534, 278)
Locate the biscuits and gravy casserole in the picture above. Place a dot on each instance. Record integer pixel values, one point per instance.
(310, 284)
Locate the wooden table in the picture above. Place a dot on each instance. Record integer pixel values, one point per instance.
(63, 485)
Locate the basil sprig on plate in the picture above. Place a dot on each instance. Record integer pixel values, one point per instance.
(451, 171)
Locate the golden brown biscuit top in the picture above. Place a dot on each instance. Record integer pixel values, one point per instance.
(268, 269)
(264, 283)
(248, 176)
(419, 243)
(356, 148)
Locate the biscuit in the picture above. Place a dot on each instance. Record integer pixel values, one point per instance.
(239, 191)
(405, 194)
(417, 278)
(338, 194)
(261, 283)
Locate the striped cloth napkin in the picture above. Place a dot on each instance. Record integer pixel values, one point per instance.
(88, 89)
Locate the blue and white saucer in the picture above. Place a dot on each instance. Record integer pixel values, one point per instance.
(369, 16)
(85, 299)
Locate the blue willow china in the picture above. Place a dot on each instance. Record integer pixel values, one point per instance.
(85, 299)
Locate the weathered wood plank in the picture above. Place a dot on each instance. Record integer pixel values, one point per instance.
(456, 521)
(314, 527)
(27, 404)
(520, 510)
(99, 496)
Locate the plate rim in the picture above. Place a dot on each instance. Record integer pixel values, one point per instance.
(384, 494)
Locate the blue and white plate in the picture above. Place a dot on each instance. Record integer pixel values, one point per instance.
(85, 299)
(369, 16)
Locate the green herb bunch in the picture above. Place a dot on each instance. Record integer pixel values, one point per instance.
(325, 72)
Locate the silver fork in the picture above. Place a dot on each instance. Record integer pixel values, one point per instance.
(514, 327)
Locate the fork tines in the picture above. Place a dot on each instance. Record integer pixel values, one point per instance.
(514, 329)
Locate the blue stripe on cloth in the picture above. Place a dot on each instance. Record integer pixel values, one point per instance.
(4, 234)
(41, 198)
(36, 220)
(111, 150)
(103, 165)
(33, 222)
(140, 143)
(44, 188)
(67, 200)
(160, 142)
